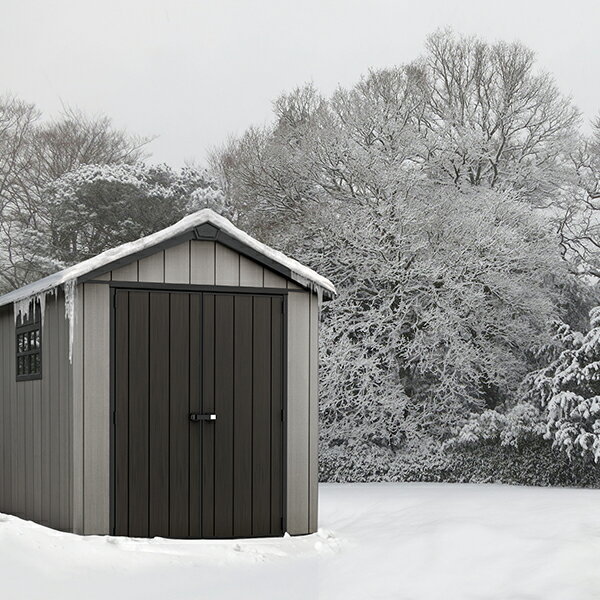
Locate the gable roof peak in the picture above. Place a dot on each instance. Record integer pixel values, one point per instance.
(203, 224)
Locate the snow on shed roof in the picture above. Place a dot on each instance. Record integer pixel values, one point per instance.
(303, 275)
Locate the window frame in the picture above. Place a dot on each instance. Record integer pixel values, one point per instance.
(32, 323)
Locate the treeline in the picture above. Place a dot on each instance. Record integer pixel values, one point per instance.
(453, 202)
(73, 186)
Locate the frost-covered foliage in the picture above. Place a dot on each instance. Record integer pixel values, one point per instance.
(569, 391)
(494, 119)
(514, 427)
(97, 207)
(447, 275)
(437, 320)
(418, 192)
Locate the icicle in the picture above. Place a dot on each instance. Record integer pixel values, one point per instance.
(41, 298)
(312, 286)
(70, 289)
(26, 305)
(319, 300)
(21, 307)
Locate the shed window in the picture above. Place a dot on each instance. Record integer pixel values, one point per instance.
(29, 346)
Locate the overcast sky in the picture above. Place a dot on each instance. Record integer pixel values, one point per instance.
(194, 72)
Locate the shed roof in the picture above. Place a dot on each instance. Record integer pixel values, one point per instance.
(202, 225)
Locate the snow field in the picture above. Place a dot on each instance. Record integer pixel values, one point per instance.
(377, 541)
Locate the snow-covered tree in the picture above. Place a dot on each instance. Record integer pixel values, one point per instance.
(96, 207)
(441, 299)
(494, 119)
(421, 204)
(17, 129)
(34, 152)
(579, 215)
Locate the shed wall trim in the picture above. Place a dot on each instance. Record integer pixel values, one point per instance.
(298, 368)
(96, 409)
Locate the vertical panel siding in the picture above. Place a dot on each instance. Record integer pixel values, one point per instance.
(126, 273)
(152, 268)
(199, 263)
(242, 414)
(261, 417)
(45, 420)
(223, 509)
(195, 405)
(208, 406)
(121, 448)
(277, 406)
(177, 263)
(37, 454)
(202, 256)
(138, 412)
(54, 420)
(19, 447)
(65, 403)
(159, 425)
(251, 273)
(179, 412)
(28, 389)
(227, 266)
(273, 280)
(35, 440)
(4, 416)
(298, 370)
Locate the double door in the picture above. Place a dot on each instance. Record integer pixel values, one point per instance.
(198, 414)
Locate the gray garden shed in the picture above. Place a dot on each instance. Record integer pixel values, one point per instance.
(167, 387)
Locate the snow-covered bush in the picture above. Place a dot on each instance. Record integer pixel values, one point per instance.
(569, 391)
(520, 424)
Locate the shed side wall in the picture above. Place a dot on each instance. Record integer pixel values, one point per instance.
(302, 417)
(35, 434)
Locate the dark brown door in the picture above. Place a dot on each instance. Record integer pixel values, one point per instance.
(198, 414)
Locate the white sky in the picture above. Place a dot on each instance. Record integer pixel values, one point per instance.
(194, 72)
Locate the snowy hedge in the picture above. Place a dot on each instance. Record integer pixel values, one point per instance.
(535, 463)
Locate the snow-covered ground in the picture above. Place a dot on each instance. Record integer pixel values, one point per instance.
(377, 541)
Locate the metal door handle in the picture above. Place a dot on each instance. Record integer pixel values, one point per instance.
(203, 417)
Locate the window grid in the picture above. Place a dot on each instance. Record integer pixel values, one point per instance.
(29, 348)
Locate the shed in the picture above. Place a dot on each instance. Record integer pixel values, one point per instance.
(167, 387)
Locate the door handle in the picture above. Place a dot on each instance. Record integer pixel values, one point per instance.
(195, 417)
